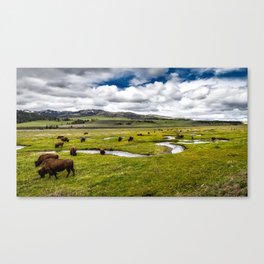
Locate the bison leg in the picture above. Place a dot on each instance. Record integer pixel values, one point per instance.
(69, 171)
(55, 175)
(73, 171)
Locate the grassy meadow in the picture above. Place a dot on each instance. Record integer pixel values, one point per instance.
(213, 169)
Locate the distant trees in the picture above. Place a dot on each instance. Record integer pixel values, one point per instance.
(52, 127)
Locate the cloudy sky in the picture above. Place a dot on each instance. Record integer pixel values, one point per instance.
(197, 93)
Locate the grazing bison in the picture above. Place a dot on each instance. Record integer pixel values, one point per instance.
(52, 166)
(85, 133)
(59, 137)
(148, 133)
(65, 139)
(130, 139)
(180, 136)
(83, 139)
(44, 157)
(213, 138)
(120, 139)
(73, 151)
(140, 134)
(59, 144)
(102, 151)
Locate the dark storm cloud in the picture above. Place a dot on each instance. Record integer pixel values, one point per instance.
(233, 105)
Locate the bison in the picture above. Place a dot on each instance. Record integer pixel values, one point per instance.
(65, 139)
(44, 157)
(59, 144)
(52, 166)
(102, 151)
(120, 139)
(85, 133)
(130, 139)
(83, 139)
(180, 136)
(73, 151)
(140, 134)
(59, 137)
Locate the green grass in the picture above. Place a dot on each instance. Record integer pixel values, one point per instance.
(214, 169)
(106, 122)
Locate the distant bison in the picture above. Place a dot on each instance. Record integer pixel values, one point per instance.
(52, 166)
(213, 138)
(120, 139)
(140, 134)
(65, 139)
(85, 133)
(58, 137)
(130, 139)
(59, 144)
(102, 151)
(73, 151)
(148, 133)
(83, 139)
(44, 157)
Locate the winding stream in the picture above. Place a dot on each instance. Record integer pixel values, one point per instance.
(19, 147)
(174, 148)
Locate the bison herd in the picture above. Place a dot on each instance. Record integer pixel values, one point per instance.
(51, 164)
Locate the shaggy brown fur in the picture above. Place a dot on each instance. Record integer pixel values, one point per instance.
(43, 157)
(73, 151)
(59, 144)
(65, 139)
(52, 166)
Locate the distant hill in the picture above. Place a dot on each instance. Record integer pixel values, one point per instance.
(27, 116)
(50, 115)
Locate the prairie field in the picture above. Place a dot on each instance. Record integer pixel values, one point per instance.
(215, 168)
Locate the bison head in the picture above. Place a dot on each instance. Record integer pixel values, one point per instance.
(41, 172)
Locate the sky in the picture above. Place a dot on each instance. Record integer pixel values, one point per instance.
(196, 93)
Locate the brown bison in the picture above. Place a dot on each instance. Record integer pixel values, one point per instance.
(83, 139)
(52, 166)
(102, 151)
(140, 134)
(85, 133)
(73, 151)
(44, 157)
(59, 137)
(130, 139)
(180, 136)
(59, 144)
(65, 139)
(120, 139)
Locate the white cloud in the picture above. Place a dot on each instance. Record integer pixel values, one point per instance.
(76, 89)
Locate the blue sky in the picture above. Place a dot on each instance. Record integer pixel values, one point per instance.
(197, 93)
